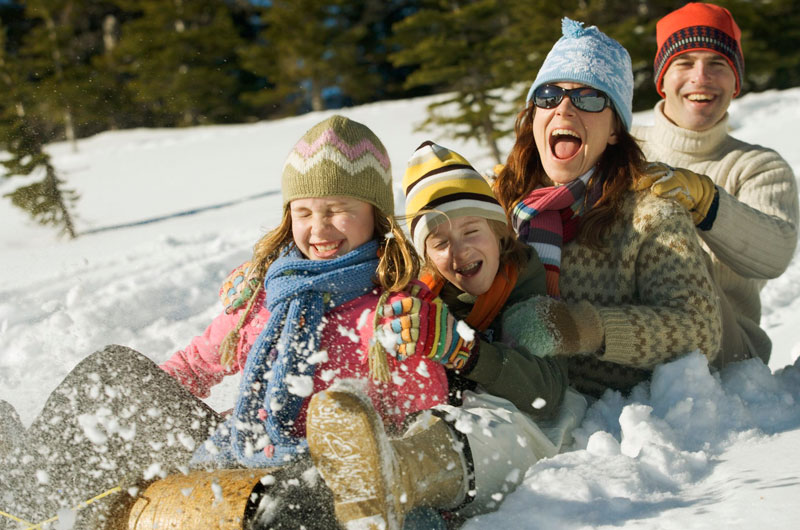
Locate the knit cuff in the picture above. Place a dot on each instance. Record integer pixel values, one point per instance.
(620, 337)
(711, 216)
(472, 360)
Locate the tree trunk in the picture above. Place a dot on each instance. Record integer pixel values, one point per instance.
(487, 126)
(180, 26)
(488, 132)
(69, 129)
(317, 103)
(109, 34)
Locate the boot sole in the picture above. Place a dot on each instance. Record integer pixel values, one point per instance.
(348, 445)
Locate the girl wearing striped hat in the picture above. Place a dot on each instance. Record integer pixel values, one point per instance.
(298, 317)
(504, 397)
(627, 281)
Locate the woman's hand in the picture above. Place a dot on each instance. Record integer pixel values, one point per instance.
(546, 326)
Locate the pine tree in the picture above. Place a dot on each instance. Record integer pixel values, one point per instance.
(309, 50)
(108, 98)
(462, 47)
(770, 38)
(22, 137)
(55, 71)
(180, 60)
(375, 46)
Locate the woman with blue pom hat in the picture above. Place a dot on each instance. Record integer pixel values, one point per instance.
(627, 282)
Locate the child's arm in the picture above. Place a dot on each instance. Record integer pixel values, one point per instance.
(198, 366)
(535, 385)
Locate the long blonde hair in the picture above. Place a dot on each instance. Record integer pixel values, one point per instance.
(398, 264)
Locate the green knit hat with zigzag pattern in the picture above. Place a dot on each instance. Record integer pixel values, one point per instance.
(339, 156)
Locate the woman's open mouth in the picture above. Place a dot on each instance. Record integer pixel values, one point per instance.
(564, 143)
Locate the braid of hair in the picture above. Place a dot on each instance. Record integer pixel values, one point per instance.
(228, 346)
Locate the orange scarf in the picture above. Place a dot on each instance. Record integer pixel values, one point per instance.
(489, 304)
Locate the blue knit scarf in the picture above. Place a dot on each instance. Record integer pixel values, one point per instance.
(299, 291)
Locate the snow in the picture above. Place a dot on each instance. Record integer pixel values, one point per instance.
(166, 214)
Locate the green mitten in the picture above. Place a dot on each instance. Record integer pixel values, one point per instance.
(546, 326)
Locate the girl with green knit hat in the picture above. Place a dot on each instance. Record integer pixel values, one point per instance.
(298, 317)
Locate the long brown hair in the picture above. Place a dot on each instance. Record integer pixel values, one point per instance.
(620, 165)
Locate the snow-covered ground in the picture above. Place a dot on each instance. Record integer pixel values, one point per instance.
(165, 214)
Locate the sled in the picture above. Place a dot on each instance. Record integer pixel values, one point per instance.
(234, 499)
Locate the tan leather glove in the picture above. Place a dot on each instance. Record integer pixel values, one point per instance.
(693, 191)
(546, 326)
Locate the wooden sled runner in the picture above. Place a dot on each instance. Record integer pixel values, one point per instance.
(235, 499)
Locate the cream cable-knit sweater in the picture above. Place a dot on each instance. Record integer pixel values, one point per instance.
(755, 233)
(652, 289)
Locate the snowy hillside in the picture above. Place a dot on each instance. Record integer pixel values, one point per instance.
(165, 214)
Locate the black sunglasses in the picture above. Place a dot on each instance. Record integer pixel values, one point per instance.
(584, 98)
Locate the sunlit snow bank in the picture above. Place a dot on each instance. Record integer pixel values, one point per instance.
(662, 453)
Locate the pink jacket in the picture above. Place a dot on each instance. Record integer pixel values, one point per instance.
(417, 383)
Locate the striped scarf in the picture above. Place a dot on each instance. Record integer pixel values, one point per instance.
(548, 218)
(278, 375)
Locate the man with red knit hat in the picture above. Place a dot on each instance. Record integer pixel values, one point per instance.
(742, 197)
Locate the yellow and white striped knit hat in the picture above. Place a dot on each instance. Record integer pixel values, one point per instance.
(439, 184)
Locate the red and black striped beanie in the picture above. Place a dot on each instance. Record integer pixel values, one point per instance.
(698, 26)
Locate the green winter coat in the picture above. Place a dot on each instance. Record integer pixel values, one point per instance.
(511, 373)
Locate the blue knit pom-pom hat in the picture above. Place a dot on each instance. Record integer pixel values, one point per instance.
(590, 57)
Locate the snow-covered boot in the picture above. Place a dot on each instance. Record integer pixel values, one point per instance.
(376, 481)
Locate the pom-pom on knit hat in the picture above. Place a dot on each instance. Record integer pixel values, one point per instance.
(698, 26)
(439, 184)
(590, 57)
(339, 156)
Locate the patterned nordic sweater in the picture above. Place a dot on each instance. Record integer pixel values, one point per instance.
(755, 233)
(652, 289)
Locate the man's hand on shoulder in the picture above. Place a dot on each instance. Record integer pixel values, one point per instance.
(693, 191)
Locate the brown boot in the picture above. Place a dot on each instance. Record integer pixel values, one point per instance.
(376, 481)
